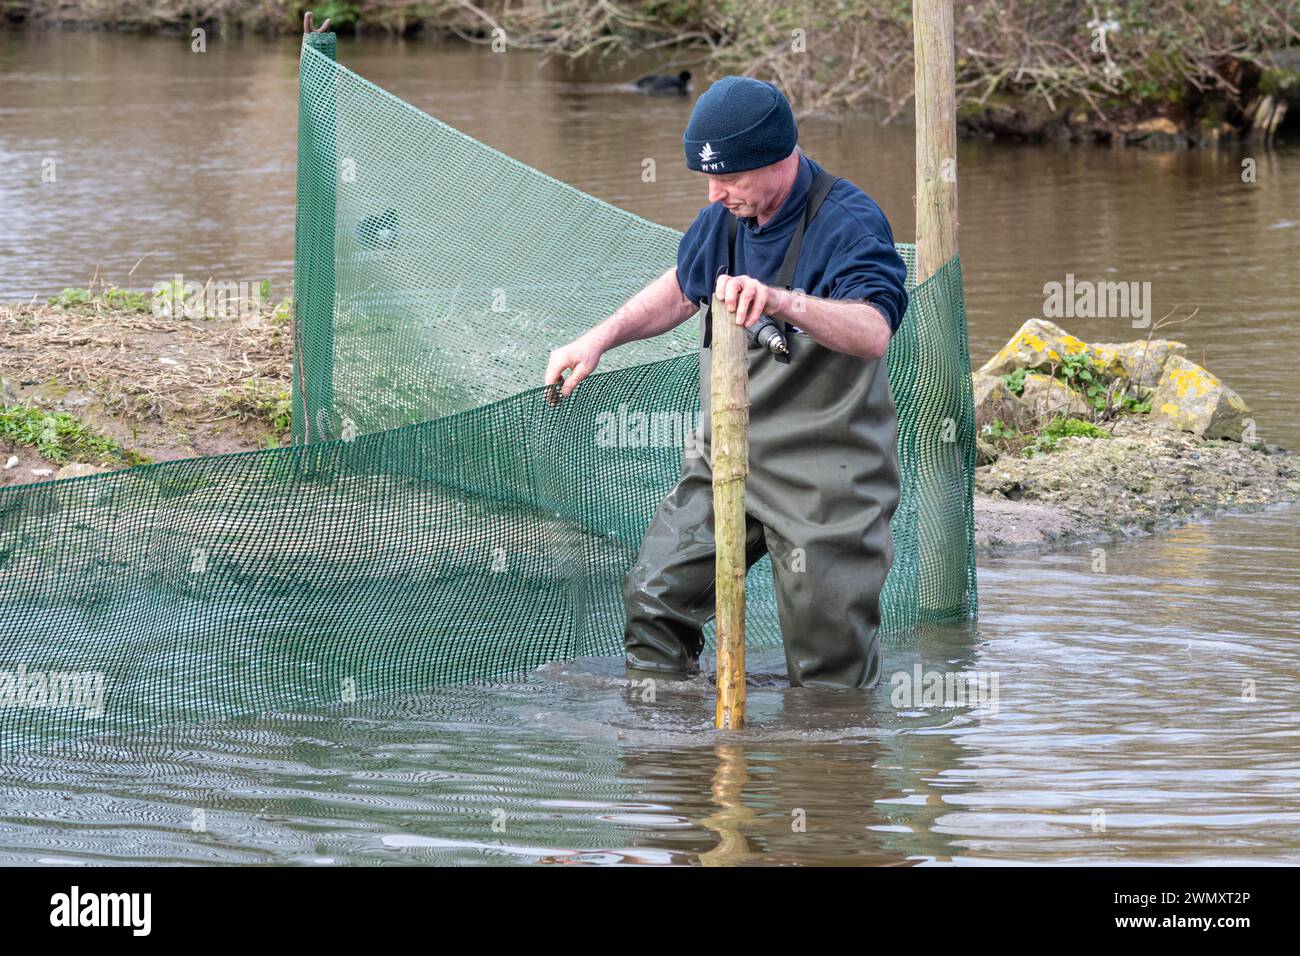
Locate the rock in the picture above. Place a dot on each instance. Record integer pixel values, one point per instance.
(985, 453)
(7, 395)
(1000, 523)
(1140, 361)
(995, 402)
(1039, 344)
(1194, 400)
(1159, 124)
(1046, 396)
(79, 470)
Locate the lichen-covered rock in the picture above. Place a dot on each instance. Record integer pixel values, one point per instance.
(1039, 344)
(1140, 361)
(994, 402)
(1146, 475)
(79, 470)
(1047, 396)
(1192, 399)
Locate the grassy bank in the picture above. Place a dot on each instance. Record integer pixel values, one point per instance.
(95, 377)
(1161, 72)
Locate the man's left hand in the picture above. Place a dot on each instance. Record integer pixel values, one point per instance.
(748, 297)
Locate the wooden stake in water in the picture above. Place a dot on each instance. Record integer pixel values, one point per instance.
(942, 560)
(730, 445)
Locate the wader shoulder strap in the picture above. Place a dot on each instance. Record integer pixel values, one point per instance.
(821, 186)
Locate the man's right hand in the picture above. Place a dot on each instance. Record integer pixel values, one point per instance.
(579, 358)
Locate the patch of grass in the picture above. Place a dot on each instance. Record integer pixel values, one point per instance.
(260, 401)
(71, 297)
(61, 438)
(121, 300)
(125, 300)
(282, 313)
(1062, 427)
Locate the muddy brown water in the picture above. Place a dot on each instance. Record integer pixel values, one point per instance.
(1144, 713)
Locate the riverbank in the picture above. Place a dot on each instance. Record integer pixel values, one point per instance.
(1143, 481)
(94, 381)
(1169, 74)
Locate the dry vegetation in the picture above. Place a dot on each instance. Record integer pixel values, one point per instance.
(1022, 64)
(157, 387)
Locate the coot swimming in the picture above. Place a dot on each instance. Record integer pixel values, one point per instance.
(660, 85)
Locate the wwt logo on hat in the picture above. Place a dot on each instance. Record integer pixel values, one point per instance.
(747, 120)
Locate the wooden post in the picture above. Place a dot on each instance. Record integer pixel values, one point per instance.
(729, 395)
(941, 561)
(936, 136)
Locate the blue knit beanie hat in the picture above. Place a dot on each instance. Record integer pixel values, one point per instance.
(739, 123)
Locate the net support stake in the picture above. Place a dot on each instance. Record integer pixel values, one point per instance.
(942, 563)
(314, 276)
(936, 136)
(730, 447)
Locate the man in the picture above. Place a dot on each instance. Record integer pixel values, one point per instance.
(823, 479)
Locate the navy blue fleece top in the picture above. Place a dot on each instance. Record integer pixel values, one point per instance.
(848, 251)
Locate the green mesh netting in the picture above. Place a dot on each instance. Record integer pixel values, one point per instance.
(433, 523)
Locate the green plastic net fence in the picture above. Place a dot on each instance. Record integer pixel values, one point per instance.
(436, 521)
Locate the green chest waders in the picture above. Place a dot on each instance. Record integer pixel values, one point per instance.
(823, 485)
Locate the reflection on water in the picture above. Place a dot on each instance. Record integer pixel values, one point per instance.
(1163, 734)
